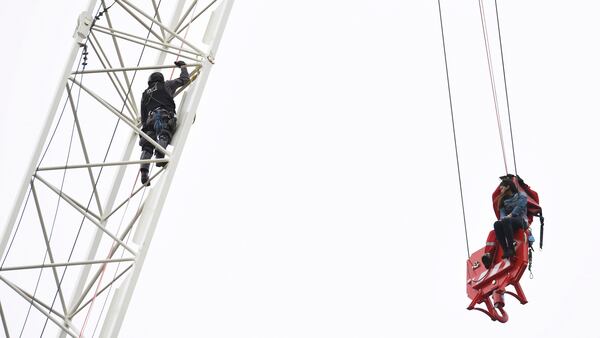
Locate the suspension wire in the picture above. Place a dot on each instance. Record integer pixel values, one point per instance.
(62, 183)
(512, 141)
(462, 201)
(17, 229)
(37, 167)
(81, 57)
(79, 64)
(492, 81)
(80, 227)
(95, 184)
(84, 57)
(3, 321)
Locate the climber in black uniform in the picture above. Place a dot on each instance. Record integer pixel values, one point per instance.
(158, 115)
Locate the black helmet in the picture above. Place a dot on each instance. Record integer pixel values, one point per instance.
(155, 77)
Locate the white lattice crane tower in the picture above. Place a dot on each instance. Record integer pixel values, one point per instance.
(77, 238)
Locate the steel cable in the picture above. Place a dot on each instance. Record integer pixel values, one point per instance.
(492, 81)
(462, 202)
(512, 141)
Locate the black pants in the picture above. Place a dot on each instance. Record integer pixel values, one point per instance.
(160, 128)
(505, 231)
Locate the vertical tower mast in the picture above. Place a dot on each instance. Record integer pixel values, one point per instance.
(76, 241)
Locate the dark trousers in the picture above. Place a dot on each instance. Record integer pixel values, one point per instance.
(505, 230)
(159, 128)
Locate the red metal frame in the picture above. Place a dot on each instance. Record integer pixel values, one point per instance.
(488, 286)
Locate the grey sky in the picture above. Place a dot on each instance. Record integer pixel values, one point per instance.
(317, 195)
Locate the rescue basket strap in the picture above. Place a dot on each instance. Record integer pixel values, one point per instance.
(541, 229)
(530, 262)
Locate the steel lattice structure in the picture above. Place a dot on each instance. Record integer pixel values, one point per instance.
(77, 238)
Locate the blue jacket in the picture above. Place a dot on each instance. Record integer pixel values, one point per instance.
(516, 205)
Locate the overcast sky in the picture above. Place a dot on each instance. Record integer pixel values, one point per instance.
(317, 195)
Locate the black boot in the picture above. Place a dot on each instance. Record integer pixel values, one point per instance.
(144, 177)
(511, 248)
(506, 250)
(161, 164)
(486, 259)
(159, 154)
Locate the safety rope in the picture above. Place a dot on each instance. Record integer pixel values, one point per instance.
(122, 108)
(103, 269)
(492, 81)
(185, 36)
(462, 202)
(50, 236)
(126, 208)
(93, 190)
(512, 141)
(122, 254)
(530, 262)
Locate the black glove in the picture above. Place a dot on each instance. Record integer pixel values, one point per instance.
(179, 63)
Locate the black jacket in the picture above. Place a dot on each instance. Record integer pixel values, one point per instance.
(160, 93)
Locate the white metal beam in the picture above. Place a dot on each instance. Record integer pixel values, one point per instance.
(83, 148)
(3, 319)
(156, 67)
(48, 247)
(103, 164)
(141, 222)
(161, 47)
(155, 201)
(42, 140)
(36, 304)
(86, 212)
(54, 265)
(114, 79)
(121, 62)
(181, 39)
